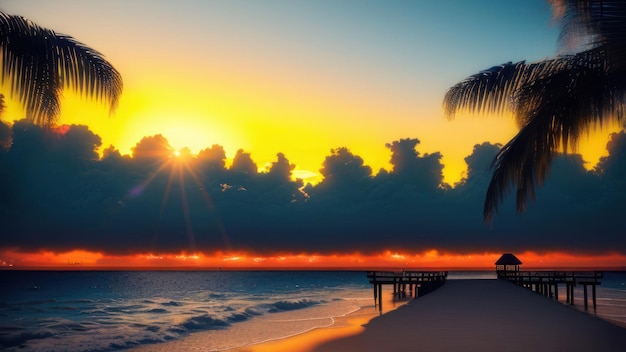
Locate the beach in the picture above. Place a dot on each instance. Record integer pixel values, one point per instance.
(299, 337)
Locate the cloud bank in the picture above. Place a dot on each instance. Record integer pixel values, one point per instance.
(57, 194)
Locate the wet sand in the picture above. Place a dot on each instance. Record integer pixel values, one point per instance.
(301, 339)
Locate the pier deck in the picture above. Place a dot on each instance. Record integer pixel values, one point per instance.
(483, 315)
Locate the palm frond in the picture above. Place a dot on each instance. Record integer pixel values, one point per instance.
(86, 70)
(557, 110)
(600, 23)
(494, 89)
(39, 63)
(554, 100)
(489, 90)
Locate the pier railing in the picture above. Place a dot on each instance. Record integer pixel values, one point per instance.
(547, 282)
(406, 283)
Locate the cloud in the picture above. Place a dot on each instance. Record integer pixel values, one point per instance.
(56, 194)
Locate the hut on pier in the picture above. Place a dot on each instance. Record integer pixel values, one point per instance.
(507, 265)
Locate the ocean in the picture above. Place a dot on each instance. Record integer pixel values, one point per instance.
(117, 310)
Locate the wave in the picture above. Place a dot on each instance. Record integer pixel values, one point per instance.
(217, 296)
(204, 322)
(254, 311)
(612, 299)
(124, 309)
(282, 306)
(238, 317)
(19, 338)
(99, 320)
(214, 322)
(156, 311)
(65, 308)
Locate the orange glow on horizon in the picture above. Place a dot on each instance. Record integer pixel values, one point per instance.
(81, 259)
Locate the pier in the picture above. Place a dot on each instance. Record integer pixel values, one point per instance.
(406, 283)
(483, 315)
(547, 283)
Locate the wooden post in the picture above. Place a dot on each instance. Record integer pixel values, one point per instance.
(380, 298)
(556, 291)
(593, 295)
(585, 295)
(375, 292)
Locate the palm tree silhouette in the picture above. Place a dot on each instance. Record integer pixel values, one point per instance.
(39, 63)
(555, 100)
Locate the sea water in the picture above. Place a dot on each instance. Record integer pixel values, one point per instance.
(116, 310)
(102, 311)
(610, 298)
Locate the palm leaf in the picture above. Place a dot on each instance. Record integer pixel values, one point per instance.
(489, 90)
(558, 109)
(39, 63)
(493, 90)
(599, 23)
(554, 100)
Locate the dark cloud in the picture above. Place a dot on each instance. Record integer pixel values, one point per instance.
(5, 136)
(56, 194)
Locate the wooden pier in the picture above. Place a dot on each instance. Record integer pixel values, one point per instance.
(547, 282)
(417, 283)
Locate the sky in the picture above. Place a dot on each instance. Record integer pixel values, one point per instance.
(291, 84)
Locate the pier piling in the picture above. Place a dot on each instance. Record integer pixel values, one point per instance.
(547, 283)
(423, 281)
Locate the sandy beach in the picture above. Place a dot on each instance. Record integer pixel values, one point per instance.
(331, 329)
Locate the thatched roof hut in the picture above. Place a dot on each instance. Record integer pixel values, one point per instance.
(507, 264)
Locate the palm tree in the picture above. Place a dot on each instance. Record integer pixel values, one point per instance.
(39, 63)
(555, 100)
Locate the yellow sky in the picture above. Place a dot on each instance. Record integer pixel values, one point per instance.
(265, 128)
(273, 77)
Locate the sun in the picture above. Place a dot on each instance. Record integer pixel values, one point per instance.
(176, 153)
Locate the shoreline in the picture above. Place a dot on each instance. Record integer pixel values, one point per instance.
(343, 326)
(349, 324)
